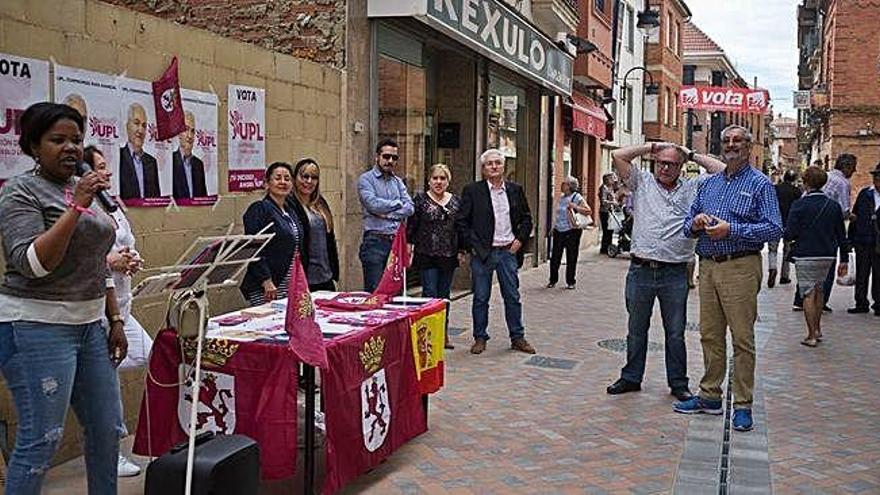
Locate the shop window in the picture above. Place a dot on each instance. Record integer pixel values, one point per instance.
(507, 114)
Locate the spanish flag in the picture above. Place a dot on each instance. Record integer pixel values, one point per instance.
(428, 330)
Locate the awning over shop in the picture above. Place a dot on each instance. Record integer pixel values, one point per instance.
(493, 29)
(587, 116)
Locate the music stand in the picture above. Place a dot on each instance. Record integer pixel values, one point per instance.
(209, 262)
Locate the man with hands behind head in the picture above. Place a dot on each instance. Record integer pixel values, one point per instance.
(734, 214)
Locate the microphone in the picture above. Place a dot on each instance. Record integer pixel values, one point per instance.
(82, 168)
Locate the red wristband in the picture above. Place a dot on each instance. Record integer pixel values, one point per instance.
(68, 198)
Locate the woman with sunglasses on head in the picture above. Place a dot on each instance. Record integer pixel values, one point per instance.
(54, 351)
(124, 261)
(320, 258)
(266, 280)
(433, 239)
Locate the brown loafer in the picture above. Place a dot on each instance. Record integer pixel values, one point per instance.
(479, 346)
(522, 345)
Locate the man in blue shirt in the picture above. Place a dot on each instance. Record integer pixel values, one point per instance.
(385, 203)
(734, 214)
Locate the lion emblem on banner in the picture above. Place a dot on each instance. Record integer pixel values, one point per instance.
(375, 406)
(425, 346)
(215, 407)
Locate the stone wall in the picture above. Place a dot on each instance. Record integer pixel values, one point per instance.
(304, 115)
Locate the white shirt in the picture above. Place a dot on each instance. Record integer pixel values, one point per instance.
(501, 207)
(876, 199)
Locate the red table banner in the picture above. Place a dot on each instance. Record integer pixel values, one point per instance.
(724, 99)
(377, 406)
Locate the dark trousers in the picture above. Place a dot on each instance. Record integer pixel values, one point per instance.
(437, 281)
(827, 285)
(867, 262)
(374, 256)
(570, 241)
(607, 233)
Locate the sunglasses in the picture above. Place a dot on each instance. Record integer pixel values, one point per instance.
(309, 177)
(667, 165)
(390, 157)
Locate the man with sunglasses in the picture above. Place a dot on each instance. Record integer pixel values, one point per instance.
(385, 204)
(734, 214)
(659, 257)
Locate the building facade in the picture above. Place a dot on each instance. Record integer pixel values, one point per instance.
(784, 144)
(839, 46)
(663, 56)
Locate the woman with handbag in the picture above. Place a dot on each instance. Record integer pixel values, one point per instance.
(572, 215)
(815, 225)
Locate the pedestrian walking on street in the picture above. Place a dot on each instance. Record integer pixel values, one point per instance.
(385, 204)
(864, 236)
(495, 223)
(607, 202)
(786, 193)
(815, 227)
(565, 235)
(838, 189)
(434, 242)
(660, 254)
(733, 216)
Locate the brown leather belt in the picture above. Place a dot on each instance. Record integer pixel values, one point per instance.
(721, 258)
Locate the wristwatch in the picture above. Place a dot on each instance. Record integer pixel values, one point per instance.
(691, 156)
(115, 318)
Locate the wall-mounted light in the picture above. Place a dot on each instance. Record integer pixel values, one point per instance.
(651, 89)
(581, 45)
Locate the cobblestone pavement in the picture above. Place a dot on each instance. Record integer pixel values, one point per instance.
(508, 423)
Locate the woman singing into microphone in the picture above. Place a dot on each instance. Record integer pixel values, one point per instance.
(53, 348)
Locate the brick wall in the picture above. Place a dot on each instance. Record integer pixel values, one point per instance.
(304, 116)
(665, 66)
(309, 29)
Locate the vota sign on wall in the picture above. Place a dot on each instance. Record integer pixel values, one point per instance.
(246, 142)
(721, 99)
(23, 82)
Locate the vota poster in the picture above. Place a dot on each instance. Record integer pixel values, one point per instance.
(96, 97)
(246, 124)
(194, 159)
(23, 82)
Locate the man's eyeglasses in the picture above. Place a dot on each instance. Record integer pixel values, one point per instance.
(662, 165)
(390, 157)
(308, 177)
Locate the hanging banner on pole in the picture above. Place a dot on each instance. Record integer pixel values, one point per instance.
(195, 174)
(96, 97)
(723, 99)
(23, 82)
(246, 124)
(144, 161)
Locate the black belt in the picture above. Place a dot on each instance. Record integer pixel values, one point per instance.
(721, 258)
(504, 247)
(376, 233)
(652, 263)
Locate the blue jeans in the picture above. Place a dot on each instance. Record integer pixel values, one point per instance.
(502, 262)
(436, 282)
(374, 256)
(50, 366)
(669, 285)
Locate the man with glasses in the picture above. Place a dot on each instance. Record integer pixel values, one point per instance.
(494, 223)
(188, 170)
(734, 214)
(385, 204)
(660, 254)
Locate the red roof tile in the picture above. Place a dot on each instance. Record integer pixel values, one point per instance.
(695, 40)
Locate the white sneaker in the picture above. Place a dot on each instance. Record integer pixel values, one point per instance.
(126, 469)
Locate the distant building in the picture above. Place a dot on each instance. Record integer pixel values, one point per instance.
(663, 58)
(784, 144)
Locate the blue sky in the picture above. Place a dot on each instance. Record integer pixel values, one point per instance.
(760, 39)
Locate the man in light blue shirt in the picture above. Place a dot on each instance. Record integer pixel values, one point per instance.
(385, 204)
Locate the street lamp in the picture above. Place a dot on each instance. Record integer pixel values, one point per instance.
(581, 45)
(648, 19)
(651, 89)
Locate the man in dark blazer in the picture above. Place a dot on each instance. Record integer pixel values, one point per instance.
(864, 235)
(188, 169)
(495, 223)
(138, 171)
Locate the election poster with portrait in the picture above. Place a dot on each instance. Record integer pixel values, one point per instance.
(195, 173)
(246, 124)
(145, 163)
(96, 97)
(23, 82)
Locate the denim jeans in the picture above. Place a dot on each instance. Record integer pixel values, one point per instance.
(668, 284)
(374, 256)
(49, 367)
(502, 262)
(436, 282)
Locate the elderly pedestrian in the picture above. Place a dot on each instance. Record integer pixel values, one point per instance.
(786, 193)
(838, 189)
(565, 236)
(495, 223)
(385, 204)
(733, 216)
(659, 258)
(607, 202)
(815, 224)
(864, 235)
